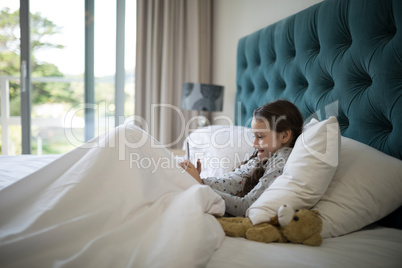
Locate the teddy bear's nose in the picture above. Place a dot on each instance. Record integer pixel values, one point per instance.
(284, 205)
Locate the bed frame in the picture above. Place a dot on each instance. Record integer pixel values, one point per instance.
(338, 57)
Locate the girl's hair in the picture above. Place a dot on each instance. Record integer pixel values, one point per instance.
(281, 115)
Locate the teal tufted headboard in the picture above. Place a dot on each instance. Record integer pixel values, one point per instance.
(338, 57)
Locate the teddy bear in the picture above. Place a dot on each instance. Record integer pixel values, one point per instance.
(301, 226)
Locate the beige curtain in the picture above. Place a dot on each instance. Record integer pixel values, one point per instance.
(173, 46)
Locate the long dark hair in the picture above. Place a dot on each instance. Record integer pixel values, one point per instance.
(281, 115)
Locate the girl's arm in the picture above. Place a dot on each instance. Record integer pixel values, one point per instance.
(231, 182)
(237, 206)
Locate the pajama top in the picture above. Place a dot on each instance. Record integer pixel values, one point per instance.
(231, 183)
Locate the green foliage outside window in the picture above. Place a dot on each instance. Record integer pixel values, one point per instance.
(41, 29)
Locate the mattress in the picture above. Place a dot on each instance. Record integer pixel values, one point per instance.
(13, 168)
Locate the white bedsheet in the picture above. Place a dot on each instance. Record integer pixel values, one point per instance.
(374, 246)
(90, 208)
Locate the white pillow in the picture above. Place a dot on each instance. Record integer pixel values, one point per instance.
(307, 173)
(366, 187)
(221, 148)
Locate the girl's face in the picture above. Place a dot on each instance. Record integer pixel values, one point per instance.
(266, 140)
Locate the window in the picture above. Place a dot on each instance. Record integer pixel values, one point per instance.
(57, 35)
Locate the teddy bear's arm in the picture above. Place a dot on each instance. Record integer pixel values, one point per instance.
(265, 233)
(230, 219)
(235, 226)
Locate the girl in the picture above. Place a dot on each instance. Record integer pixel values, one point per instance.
(276, 126)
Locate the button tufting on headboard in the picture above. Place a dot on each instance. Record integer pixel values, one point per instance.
(344, 54)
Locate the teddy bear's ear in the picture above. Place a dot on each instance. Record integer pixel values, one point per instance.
(316, 212)
(274, 220)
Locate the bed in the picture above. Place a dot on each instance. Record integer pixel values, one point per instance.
(336, 58)
(339, 59)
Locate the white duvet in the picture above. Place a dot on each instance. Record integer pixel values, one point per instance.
(120, 203)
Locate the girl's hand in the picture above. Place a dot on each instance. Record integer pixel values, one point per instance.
(192, 170)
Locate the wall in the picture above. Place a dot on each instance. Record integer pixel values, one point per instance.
(234, 19)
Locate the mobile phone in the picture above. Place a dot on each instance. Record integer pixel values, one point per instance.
(188, 151)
